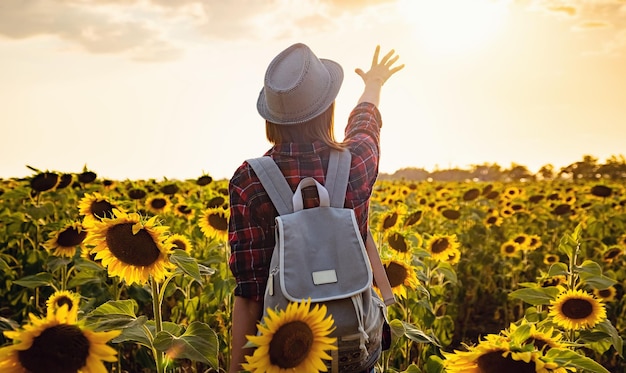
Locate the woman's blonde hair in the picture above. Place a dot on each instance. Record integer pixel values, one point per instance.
(319, 128)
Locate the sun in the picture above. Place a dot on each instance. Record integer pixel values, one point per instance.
(445, 27)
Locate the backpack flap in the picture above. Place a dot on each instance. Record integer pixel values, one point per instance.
(321, 255)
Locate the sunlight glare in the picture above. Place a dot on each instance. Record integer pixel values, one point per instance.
(454, 26)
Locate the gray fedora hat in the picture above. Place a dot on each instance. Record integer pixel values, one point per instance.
(298, 86)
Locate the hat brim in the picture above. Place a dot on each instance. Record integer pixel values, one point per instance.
(336, 79)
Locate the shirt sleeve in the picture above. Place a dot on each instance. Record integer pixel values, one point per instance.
(363, 140)
(249, 224)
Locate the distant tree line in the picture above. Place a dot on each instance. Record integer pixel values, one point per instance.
(614, 168)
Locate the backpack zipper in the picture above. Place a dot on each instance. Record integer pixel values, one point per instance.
(270, 280)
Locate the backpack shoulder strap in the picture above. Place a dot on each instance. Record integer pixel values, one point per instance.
(337, 175)
(274, 183)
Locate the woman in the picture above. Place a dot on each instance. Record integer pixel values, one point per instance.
(297, 102)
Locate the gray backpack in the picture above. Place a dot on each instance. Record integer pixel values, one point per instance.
(320, 254)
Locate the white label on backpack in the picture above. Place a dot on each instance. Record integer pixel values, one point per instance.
(324, 277)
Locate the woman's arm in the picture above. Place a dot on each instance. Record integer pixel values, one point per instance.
(377, 75)
(246, 315)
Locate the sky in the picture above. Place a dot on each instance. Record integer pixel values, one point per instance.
(167, 89)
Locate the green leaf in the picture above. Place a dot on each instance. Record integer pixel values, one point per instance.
(113, 315)
(416, 335)
(448, 272)
(569, 358)
(137, 331)
(82, 278)
(198, 343)
(590, 273)
(558, 269)
(35, 281)
(434, 364)
(187, 264)
(4, 267)
(616, 339)
(55, 262)
(413, 369)
(536, 296)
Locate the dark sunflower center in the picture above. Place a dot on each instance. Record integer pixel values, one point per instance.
(44, 181)
(439, 245)
(492, 219)
(71, 237)
(63, 301)
(471, 194)
(133, 249)
(136, 193)
(605, 293)
(520, 240)
(179, 245)
(397, 242)
(562, 209)
(158, 203)
(494, 362)
(184, 209)
(577, 308)
(396, 274)
(451, 214)
(390, 221)
(612, 254)
(539, 344)
(413, 218)
(218, 221)
(509, 249)
(215, 202)
(58, 349)
(101, 209)
(291, 344)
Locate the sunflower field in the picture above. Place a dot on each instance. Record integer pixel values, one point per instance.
(132, 276)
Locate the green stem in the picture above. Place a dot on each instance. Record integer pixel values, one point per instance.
(158, 322)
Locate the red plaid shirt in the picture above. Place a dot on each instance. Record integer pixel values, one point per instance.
(251, 224)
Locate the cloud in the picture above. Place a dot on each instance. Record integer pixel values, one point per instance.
(592, 25)
(99, 27)
(155, 30)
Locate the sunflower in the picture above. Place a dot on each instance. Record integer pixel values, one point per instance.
(44, 181)
(607, 295)
(214, 223)
(64, 298)
(158, 204)
(442, 247)
(413, 218)
(612, 253)
(510, 248)
(183, 210)
(493, 355)
(57, 344)
(401, 276)
(294, 340)
(131, 248)
(403, 242)
(94, 207)
(64, 241)
(179, 242)
(550, 259)
(493, 219)
(542, 339)
(534, 242)
(576, 309)
(523, 240)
